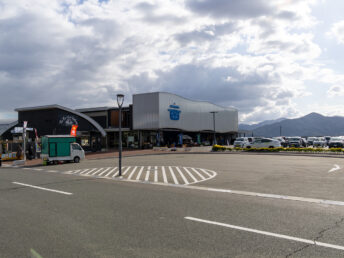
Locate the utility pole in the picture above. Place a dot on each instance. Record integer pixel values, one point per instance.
(120, 99)
(214, 112)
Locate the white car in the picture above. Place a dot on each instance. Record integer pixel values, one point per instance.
(319, 142)
(264, 143)
(241, 142)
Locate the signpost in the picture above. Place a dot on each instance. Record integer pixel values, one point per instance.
(24, 139)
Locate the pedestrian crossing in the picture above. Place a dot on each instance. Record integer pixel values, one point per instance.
(176, 175)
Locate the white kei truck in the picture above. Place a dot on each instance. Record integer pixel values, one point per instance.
(57, 148)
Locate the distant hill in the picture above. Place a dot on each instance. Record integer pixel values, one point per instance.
(312, 124)
(247, 127)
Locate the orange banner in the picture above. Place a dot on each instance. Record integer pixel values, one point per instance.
(73, 130)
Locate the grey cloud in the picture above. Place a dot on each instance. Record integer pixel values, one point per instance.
(40, 65)
(207, 33)
(286, 15)
(150, 16)
(230, 8)
(145, 6)
(105, 28)
(197, 82)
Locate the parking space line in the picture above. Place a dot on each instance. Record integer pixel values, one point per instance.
(42, 188)
(297, 239)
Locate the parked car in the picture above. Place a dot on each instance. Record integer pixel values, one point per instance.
(295, 141)
(304, 142)
(327, 138)
(264, 143)
(336, 142)
(319, 142)
(240, 142)
(281, 140)
(310, 141)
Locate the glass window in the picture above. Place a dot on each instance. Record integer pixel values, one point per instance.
(76, 147)
(85, 141)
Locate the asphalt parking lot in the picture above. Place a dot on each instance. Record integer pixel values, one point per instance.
(145, 216)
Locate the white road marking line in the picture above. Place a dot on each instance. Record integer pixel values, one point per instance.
(37, 169)
(89, 172)
(111, 171)
(190, 174)
(52, 171)
(96, 172)
(139, 174)
(126, 171)
(132, 173)
(27, 168)
(198, 173)
(42, 188)
(173, 175)
(156, 174)
(182, 175)
(164, 175)
(147, 173)
(75, 171)
(116, 173)
(206, 172)
(84, 171)
(336, 167)
(266, 233)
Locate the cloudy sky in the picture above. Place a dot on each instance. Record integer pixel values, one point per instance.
(269, 59)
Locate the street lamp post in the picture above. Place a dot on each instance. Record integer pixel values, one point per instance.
(214, 112)
(120, 99)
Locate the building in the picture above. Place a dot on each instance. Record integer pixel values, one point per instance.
(153, 119)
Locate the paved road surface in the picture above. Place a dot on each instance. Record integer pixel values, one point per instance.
(60, 214)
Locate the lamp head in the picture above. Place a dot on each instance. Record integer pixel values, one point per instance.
(120, 99)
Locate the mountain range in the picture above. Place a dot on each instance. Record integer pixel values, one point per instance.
(313, 124)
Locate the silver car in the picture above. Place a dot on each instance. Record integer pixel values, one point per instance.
(319, 142)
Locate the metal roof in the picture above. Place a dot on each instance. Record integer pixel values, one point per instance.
(92, 121)
(5, 127)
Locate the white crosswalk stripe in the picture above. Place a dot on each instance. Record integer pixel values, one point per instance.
(173, 175)
(177, 175)
(132, 173)
(101, 171)
(139, 174)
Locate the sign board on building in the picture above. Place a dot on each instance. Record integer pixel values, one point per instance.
(73, 130)
(18, 130)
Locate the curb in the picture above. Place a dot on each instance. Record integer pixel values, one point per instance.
(207, 153)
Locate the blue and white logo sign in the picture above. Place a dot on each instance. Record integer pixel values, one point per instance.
(174, 112)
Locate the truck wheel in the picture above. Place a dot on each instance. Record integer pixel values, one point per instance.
(76, 160)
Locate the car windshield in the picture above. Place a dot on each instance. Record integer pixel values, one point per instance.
(239, 139)
(310, 138)
(335, 139)
(294, 139)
